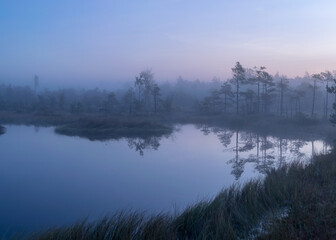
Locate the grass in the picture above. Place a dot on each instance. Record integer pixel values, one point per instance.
(306, 192)
(113, 128)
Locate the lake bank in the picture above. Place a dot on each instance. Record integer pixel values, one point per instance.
(103, 129)
(307, 194)
(298, 126)
(93, 127)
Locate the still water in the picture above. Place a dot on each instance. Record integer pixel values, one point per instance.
(48, 179)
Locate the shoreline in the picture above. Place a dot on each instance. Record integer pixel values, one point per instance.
(118, 125)
(104, 129)
(292, 202)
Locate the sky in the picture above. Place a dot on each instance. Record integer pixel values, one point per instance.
(91, 41)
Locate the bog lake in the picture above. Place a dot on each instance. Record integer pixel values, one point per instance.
(47, 179)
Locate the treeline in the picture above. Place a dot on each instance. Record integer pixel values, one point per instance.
(143, 96)
(255, 91)
(249, 91)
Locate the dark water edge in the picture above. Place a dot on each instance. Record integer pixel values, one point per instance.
(104, 129)
(298, 126)
(306, 192)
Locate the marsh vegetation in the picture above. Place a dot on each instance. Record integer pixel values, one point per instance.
(109, 128)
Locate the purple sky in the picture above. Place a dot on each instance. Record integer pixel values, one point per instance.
(86, 41)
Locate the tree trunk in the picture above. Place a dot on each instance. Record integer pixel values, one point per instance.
(155, 103)
(225, 99)
(281, 101)
(326, 110)
(312, 113)
(237, 155)
(237, 97)
(258, 97)
(258, 147)
(280, 150)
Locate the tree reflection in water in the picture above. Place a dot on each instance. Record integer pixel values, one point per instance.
(148, 143)
(265, 152)
(142, 144)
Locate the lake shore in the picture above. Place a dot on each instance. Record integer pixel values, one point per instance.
(87, 125)
(299, 126)
(93, 127)
(293, 202)
(102, 129)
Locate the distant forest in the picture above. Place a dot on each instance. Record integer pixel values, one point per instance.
(249, 91)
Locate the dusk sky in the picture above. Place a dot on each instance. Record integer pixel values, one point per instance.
(106, 40)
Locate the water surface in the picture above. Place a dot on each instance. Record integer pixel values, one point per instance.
(48, 179)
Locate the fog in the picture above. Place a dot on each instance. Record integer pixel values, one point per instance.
(174, 119)
(278, 95)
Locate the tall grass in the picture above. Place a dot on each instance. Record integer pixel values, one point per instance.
(308, 193)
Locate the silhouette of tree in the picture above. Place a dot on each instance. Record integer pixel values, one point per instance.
(326, 78)
(316, 78)
(238, 79)
(283, 87)
(226, 90)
